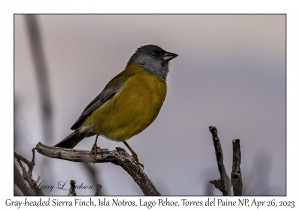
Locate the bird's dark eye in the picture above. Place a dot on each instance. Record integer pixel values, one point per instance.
(154, 54)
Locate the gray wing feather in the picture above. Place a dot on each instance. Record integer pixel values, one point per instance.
(103, 97)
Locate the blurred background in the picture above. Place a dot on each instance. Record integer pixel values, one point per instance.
(230, 73)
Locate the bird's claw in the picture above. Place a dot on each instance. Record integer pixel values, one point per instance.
(95, 149)
(136, 160)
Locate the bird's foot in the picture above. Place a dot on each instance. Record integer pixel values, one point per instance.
(135, 158)
(95, 149)
(134, 155)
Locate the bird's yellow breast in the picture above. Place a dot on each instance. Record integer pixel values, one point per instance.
(133, 108)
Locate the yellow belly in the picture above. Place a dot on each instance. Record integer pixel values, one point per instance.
(132, 109)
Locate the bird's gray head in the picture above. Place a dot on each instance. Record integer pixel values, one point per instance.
(154, 59)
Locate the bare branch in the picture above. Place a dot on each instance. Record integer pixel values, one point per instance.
(94, 177)
(98, 188)
(72, 191)
(21, 184)
(236, 174)
(223, 184)
(26, 176)
(118, 157)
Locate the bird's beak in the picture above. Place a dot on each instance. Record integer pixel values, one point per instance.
(169, 56)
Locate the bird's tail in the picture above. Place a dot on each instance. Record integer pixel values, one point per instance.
(71, 140)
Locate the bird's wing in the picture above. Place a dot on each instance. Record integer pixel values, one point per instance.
(110, 90)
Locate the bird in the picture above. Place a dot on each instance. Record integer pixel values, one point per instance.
(128, 104)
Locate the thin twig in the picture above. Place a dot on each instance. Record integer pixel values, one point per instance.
(27, 175)
(98, 188)
(224, 183)
(72, 191)
(118, 157)
(21, 184)
(94, 176)
(236, 174)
